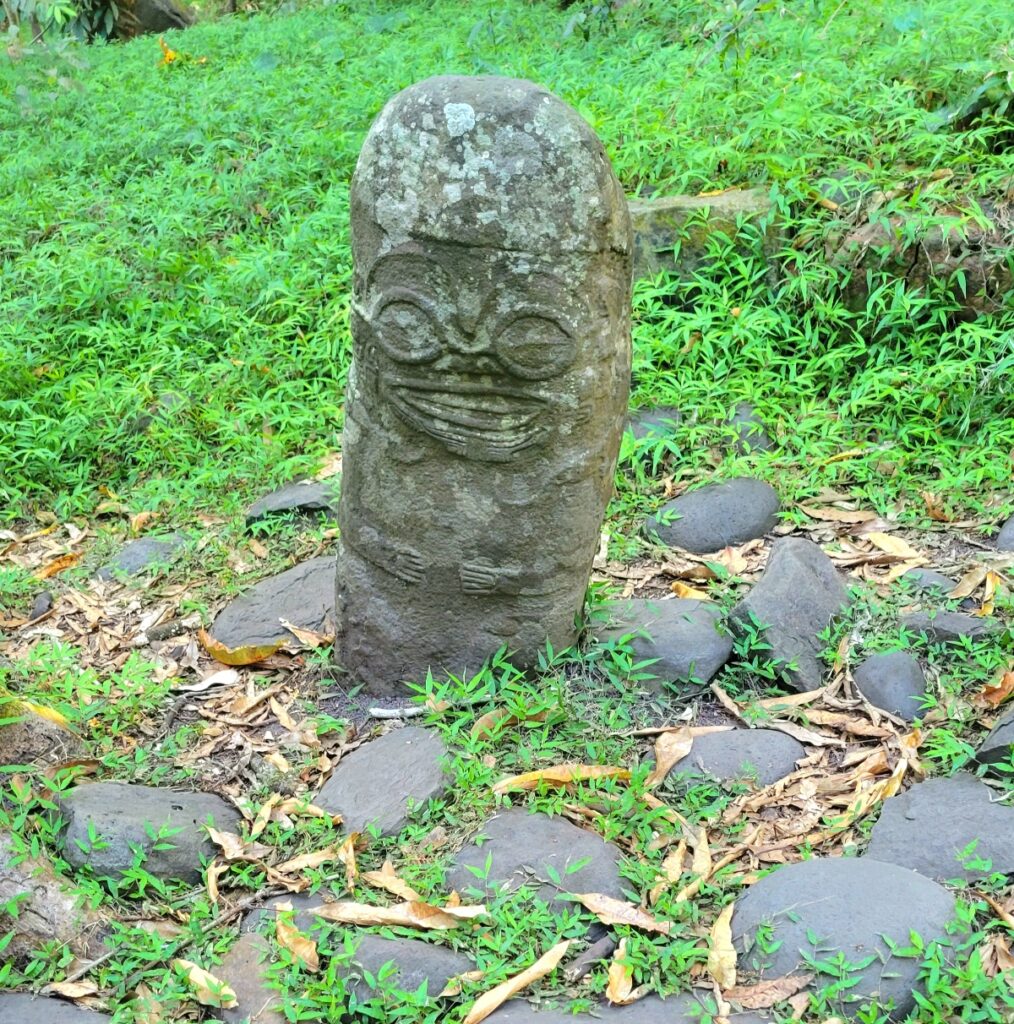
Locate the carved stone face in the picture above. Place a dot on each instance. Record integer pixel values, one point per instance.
(484, 351)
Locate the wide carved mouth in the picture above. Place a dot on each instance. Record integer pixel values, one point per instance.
(474, 419)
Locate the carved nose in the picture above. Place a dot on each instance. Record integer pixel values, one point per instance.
(469, 364)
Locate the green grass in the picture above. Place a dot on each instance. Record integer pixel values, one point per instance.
(184, 230)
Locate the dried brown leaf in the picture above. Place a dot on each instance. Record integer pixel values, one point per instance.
(613, 911)
(672, 871)
(308, 860)
(496, 997)
(386, 878)
(207, 989)
(457, 983)
(308, 637)
(766, 994)
(693, 593)
(502, 717)
(670, 749)
(969, 583)
(58, 565)
(248, 655)
(894, 546)
(721, 954)
(289, 936)
(414, 914)
(838, 515)
(560, 775)
(347, 857)
(620, 975)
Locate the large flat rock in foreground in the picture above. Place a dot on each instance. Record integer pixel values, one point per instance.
(816, 909)
(525, 848)
(796, 598)
(22, 1008)
(930, 828)
(411, 964)
(762, 756)
(383, 781)
(303, 595)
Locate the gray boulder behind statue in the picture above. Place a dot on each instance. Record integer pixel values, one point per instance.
(491, 333)
(304, 497)
(525, 848)
(414, 964)
(797, 596)
(682, 637)
(949, 627)
(656, 423)
(141, 555)
(716, 515)
(302, 595)
(856, 907)
(156, 16)
(21, 1008)
(893, 681)
(106, 821)
(930, 827)
(998, 747)
(761, 755)
(1005, 538)
(381, 782)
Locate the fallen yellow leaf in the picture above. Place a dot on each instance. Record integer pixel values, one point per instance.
(414, 914)
(387, 879)
(289, 936)
(722, 955)
(496, 997)
(620, 975)
(893, 546)
(560, 775)
(672, 871)
(207, 989)
(613, 911)
(670, 749)
(503, 717)
(692, 593)
(249, 655)
(58, 565)
(347, 857)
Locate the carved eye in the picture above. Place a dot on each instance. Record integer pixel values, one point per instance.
(407, 332)
(535, 347)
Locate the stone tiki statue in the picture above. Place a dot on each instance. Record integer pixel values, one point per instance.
(485, 404)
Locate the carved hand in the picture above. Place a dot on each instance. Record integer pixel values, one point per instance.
(406, 563)
(482, 577)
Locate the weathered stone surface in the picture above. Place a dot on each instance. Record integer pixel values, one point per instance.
(849, 906)
(143, 16)
(946, 627)
(304, 497)
(244, 970)
(763, 755)
(263, 918)
(122, 815)
(929, 827)
(654, 423)
(380, 782)
(682, 635)
(893, 681)
(996, 749)
(929, 580)
(22, 1008)
(686, 1008)
(520, 843)
(33, 740)
(302, 595)
(48, 911)
(140, 555)
(491, 329)
(716, 515)
(414, 963)
(1005, 538)
(750, 434)
(662, 224)
(42, 603)
(798, 594)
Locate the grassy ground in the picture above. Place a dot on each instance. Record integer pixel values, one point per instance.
(181, 230)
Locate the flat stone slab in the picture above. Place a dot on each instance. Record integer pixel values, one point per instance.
(1005, 538)
(415, 963)
(22, 1008)
(929, 581)
(995, 749)
(681, 636)
(948, 627)
(140, 555)
(303, 595)
(761, 755)
(244, 970)
(381, 782)
(847, 906)
(716, 515)
(523, 848)
(928, 828)
(685, 1008)
(655, 423)
(122, 815)
(304, 497)
(797, 596)
(893, 681)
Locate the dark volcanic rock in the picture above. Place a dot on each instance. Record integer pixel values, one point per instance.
(716, 515)
(244, 970)
(799, 593)
(304, 497)
(682, 635)
(1005, 538)
(996, 747)
(928, 828)
(33, 740)
(123, 815)
(765, 755)
(654, 423)
(929, 580)
(522, 846)
(415, 963)
(263, 918)
(947, 627)
(302, 595)
(748, 430)
(141, 555)
(845, 905)
(379, 782)
(21, 1008)
(686, 1008)
(893, 681)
